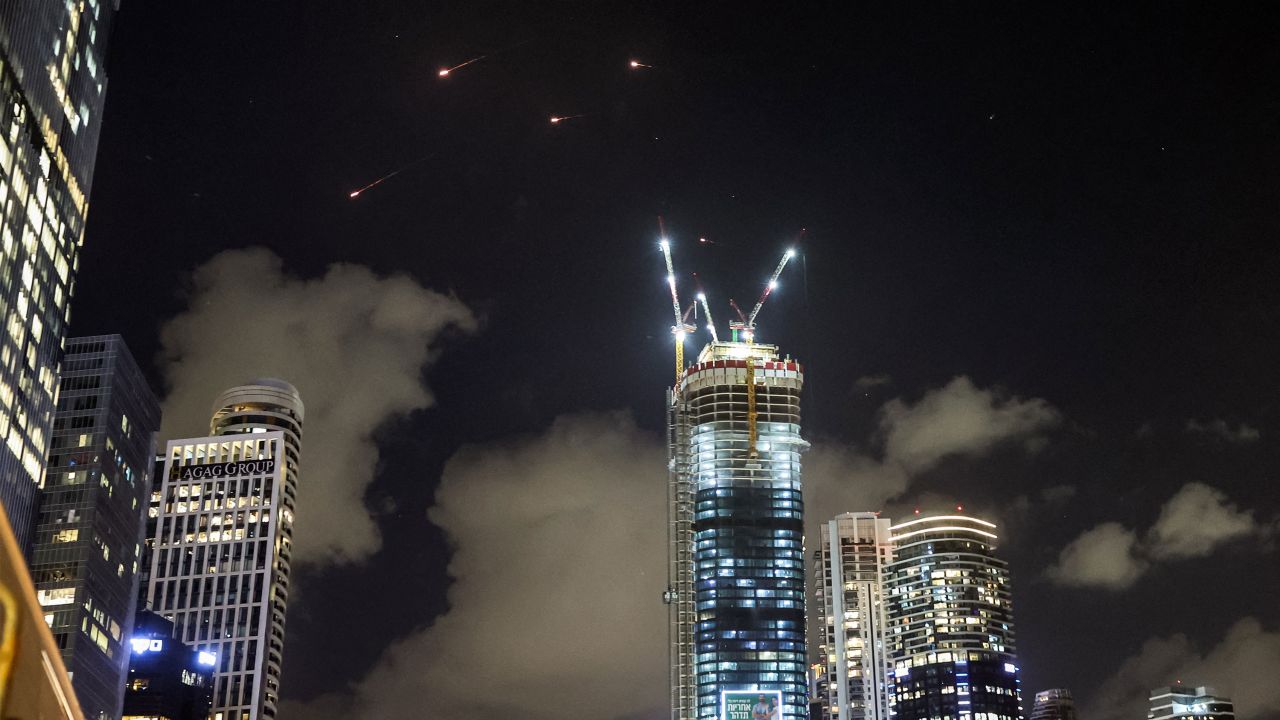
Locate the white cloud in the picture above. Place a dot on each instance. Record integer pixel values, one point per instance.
(1106, 556)
(1055, 494)
(352, 342)
(1243, 666)
(959, 419)
(1242, 433)
(866, 382)
(1197, 520)
(956, 419)
(840, 479)
(559, 565)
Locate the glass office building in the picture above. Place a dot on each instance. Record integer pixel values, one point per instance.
(950, 613)
(84, 560)
(222, 550)
(53, 81)
(737, 583)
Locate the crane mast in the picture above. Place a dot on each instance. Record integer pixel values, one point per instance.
(749, 333)
(770, 287)
(681, 329)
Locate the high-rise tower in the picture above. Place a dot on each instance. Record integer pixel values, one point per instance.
(737, 556)
(950, 613)
(221, 555)
(853, 551)
(52, 84)
(85, 557)
(1054, 704)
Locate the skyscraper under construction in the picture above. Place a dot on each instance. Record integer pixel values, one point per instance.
(737, 585)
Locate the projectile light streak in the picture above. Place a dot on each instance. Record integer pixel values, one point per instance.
(635, 64)
(356, 193)
(375, 183)
(444, 72)
(556, 119)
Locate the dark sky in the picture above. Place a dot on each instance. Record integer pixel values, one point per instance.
(1073, 204)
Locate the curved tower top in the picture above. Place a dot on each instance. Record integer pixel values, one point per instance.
(263, 404)
(260, 392)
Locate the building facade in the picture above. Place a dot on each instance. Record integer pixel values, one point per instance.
(1054, 704)
(84, 560)
(221, 555)
(1188, 703)
(854, 549)
(950, 622)
(168, 680)
(53, 81)
(737, 584)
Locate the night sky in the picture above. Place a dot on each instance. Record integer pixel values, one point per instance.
(1057, 224)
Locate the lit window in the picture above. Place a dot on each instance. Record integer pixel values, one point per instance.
(56, 596)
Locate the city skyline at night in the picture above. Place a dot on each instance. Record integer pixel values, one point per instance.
(1024, 253)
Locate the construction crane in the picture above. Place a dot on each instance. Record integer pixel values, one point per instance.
(711, 325)
(770, 287)
(682, 328)
(706, 309)
(747, 327)
(739, 326)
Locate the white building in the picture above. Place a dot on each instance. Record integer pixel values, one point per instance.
(1187, 703)
(855, 547)
(220, 560)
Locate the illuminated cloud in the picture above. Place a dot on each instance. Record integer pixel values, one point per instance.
(1243, 667)
(1196, 521)
(1106, 556)
(560, 547)
(1193, 523)
(1219, 429)
(866, 382)
(959, 419)
(956, 419)
(354, 344)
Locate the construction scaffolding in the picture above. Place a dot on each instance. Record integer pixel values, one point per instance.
(682, 615)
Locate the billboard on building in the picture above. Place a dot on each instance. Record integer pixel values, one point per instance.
(751, 705)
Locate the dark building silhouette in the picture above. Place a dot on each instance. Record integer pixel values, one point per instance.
(168, 680)
(84, 560)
